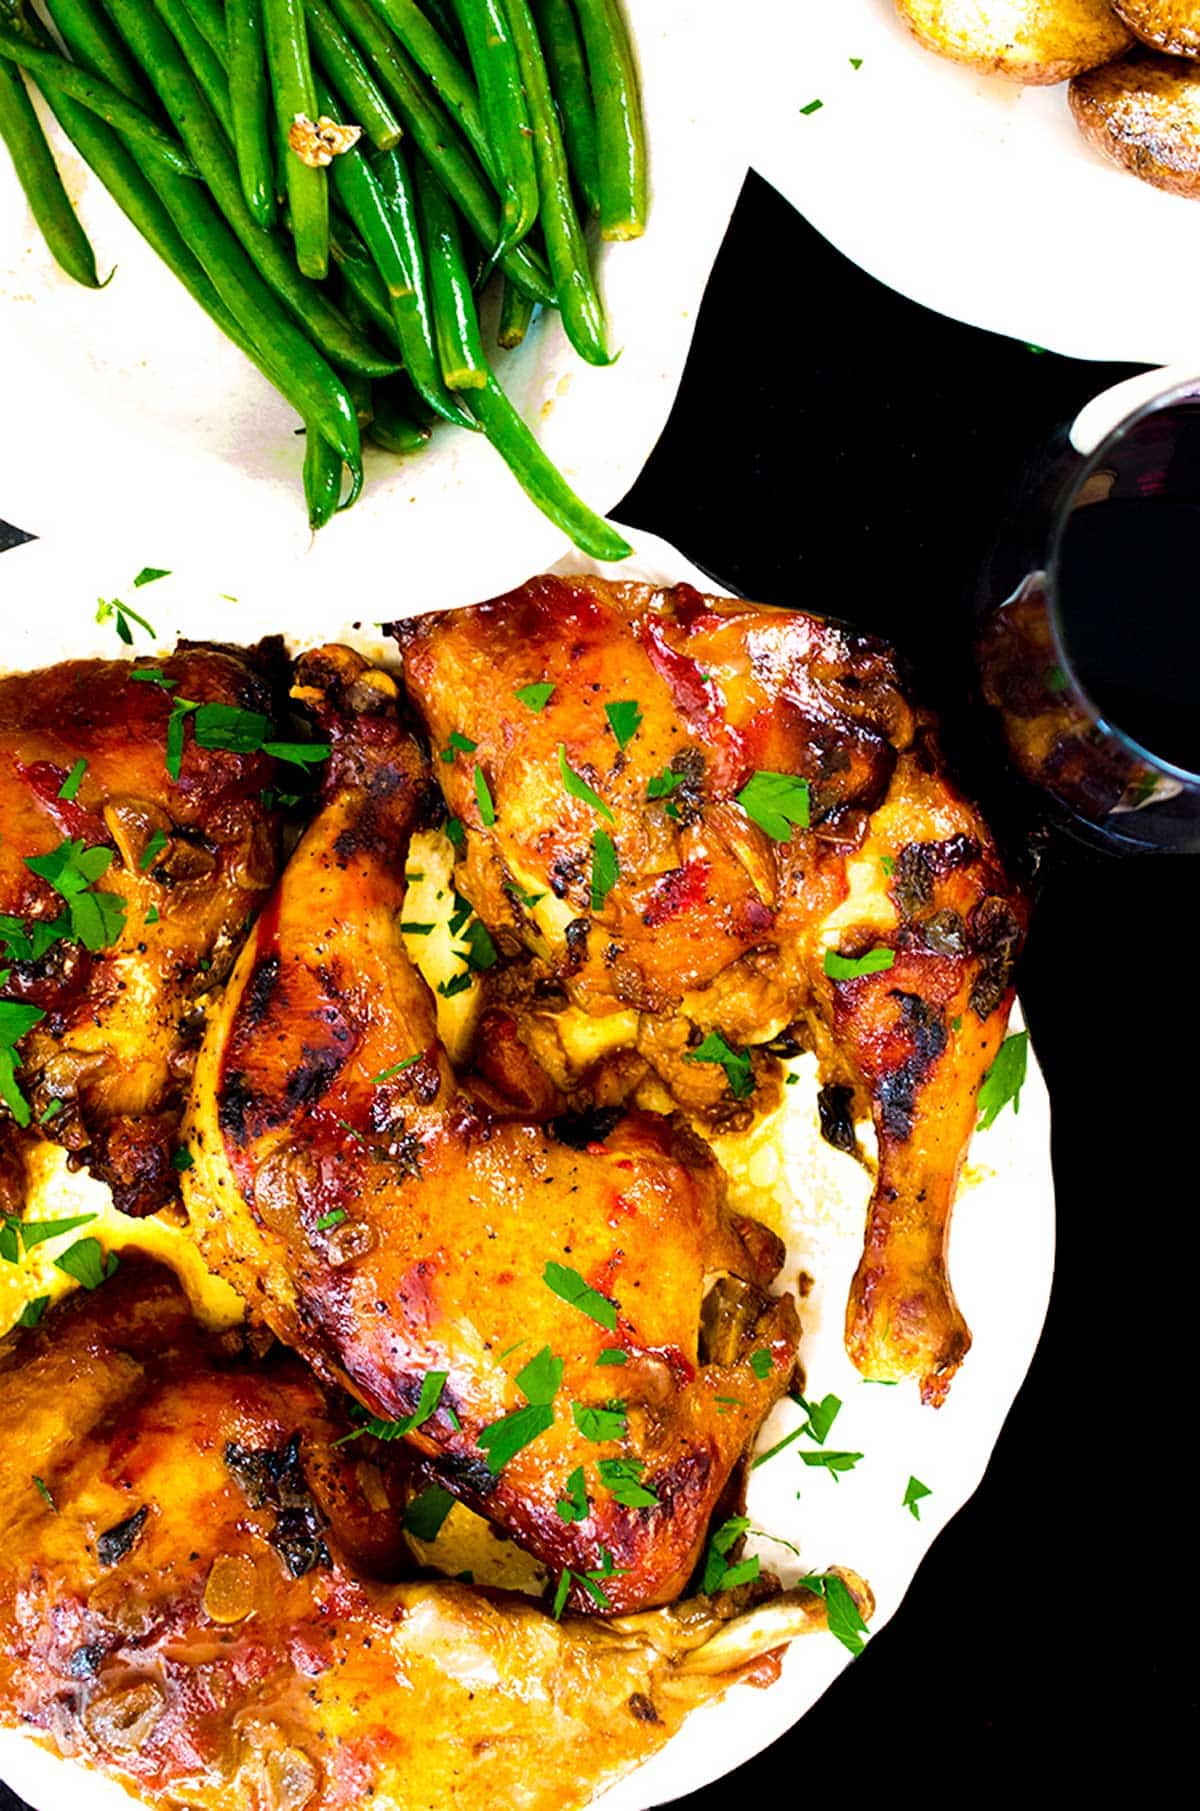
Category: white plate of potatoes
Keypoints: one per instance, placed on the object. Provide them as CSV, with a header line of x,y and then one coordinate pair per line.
x,y
1028,166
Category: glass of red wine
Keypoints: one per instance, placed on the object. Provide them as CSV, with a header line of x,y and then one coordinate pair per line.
x,y
1088,633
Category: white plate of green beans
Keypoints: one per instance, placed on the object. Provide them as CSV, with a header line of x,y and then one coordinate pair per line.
x,y
546,300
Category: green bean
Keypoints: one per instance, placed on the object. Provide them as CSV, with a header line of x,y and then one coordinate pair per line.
x,y
181,224
357,190
427,48
203,61
365,295
159,56
441,17
295,94
394,426
100,97
211,21
361,394
93,43
505,111
431,129
516,312
620,131
539,478
348,74
322,477
569,79
412,313
250,96
38,175
455,322
582,312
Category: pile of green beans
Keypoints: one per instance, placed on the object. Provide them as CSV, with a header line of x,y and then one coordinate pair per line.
x,y
348,265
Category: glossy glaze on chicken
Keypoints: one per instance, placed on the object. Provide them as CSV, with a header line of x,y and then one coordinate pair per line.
x,y
389,1224
105,1069
668,724
200,1594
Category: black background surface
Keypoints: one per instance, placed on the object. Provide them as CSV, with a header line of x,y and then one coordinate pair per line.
x,y
838,448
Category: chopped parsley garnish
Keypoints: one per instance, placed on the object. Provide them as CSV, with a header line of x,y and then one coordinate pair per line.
x,y
228,727
605,868
426,1513
148,574
574,1507
624,719
154,848
1004,1080
739,1071
406,1063
462,911
33,1311
535,698
18,1237
956,1022
590,1582
120,615
850,968
599,1424
832,1462
539,1383
578,787
762,1364
661,785
432,1385
856,62
777,802
541,1379
719,1575
411,927
88,1263
888,864
841,1611
812,107
457,984
96,919
15,1020
50,1111
182,1159
153,676
572,1288
914,1491
44,1493
457,744
528,900
613,1355
73,781
152,915
481,951
333,1218
622,1478
821,1416
455,832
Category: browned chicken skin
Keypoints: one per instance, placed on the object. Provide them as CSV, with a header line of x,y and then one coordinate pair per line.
x,y
186,1599
105,1070
389,1225
712,924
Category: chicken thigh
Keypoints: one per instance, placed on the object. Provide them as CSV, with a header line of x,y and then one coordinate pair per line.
x,y
198,1596
527,1302
711,824
129,869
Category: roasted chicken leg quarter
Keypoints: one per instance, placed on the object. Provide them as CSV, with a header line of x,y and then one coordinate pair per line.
x,y
129,869
191,1598
527,1304
709,825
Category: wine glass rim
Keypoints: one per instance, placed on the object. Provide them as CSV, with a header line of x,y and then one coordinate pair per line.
x,y
1187,390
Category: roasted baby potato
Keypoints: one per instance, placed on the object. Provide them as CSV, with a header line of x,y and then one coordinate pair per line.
x,y
1144,113
1028,40
1170,25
